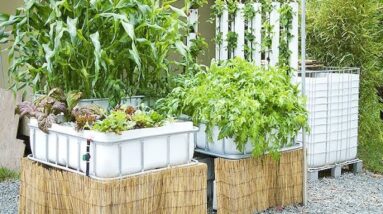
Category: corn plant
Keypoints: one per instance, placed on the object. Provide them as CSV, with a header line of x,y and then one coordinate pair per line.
x,y
101,48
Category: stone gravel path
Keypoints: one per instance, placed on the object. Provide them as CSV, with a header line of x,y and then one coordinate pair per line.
x,y
9,191
350,193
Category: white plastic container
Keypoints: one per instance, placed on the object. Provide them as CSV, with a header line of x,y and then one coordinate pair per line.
x,y
225,146
132,101
333,97
103,103
114,155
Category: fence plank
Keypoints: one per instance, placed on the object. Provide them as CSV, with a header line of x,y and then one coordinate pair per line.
x,y
274,21
255,26
224,29
192,21
217,44
239,28
293,45
257,32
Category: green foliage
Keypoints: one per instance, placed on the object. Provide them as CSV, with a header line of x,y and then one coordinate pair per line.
x,y
344,32
248,11
246,102
7,174
232,7
86,116
125,118
286,17
72,98
232,40
217,9
45,108
195,4
349,33
102,48
249,38
116,122
218,38
197,47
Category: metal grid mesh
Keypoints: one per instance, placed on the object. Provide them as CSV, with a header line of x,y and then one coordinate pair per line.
x,y
332,101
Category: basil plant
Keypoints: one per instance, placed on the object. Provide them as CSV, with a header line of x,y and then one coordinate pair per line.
x,y
247,103
102,48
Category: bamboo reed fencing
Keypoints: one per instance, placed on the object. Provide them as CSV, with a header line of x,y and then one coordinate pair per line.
x,y
255,184
172,190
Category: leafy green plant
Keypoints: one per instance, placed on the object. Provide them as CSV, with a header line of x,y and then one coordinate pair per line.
x,y
197,47
286,16
124,118
248,11
116,122
102,48
349,33
195,4
45,109
86,116
218,38
217,9
232,41
249,38
246,102
232,7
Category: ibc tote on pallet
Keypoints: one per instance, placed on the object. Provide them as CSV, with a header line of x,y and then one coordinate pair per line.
x,y
333,97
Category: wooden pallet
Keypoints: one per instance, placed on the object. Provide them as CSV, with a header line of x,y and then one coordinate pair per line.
x,y
336,169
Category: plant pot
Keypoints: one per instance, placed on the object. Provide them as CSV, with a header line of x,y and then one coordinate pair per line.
x,y
225,146
102,102
133,100
114,155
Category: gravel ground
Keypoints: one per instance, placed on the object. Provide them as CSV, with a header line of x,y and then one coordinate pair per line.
x,y
350,193
9,191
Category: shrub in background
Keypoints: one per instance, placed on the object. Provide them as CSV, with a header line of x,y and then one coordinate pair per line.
x,y
349,33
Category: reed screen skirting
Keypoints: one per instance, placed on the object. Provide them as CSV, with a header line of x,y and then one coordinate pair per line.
x,y
173,190
255,184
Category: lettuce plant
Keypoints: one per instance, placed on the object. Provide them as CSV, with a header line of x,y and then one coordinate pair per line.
x,y
246,102
46,108
124,118
115,122
86,116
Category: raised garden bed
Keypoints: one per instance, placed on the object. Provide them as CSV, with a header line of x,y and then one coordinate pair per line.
x,y
225,146
113,155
